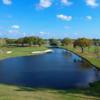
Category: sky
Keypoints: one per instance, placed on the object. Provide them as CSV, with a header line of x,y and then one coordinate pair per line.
x,y
50,18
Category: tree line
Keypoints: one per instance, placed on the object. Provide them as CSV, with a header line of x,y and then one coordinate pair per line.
x,y
36,41
25,41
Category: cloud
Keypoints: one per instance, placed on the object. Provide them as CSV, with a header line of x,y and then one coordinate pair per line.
x,y
92,3
43,33
64,17
66,2
89,17
13,31
7,2
44,4
15,26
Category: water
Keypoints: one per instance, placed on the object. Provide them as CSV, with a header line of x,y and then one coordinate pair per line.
x,y
59,70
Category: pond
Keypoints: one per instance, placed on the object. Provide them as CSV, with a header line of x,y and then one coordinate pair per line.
x,y
60,69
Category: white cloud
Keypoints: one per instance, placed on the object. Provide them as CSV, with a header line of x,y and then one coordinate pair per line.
x,y
64,17
92,3
13,31
66,2
15,26
7,2
43,33
89,17
44,4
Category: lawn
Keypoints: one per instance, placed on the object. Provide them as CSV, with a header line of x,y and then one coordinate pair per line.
x,y
19,51
89,54
8,92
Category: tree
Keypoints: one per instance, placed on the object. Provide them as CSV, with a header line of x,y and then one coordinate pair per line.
x,y
41,41
82,43
2,42
30,41
66,41
96,42
54,42
10,41
20,41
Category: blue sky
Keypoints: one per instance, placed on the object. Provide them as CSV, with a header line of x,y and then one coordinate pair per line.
x,y
50,18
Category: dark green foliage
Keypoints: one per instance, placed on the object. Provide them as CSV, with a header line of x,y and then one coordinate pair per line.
x,y
54,42
66,41
96,42
2,42
82,43
30,41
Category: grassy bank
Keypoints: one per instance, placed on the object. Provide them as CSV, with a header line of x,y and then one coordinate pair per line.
x,y
19,51
27,93
89,54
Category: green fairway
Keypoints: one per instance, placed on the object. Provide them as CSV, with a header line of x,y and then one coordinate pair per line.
x,y
19,51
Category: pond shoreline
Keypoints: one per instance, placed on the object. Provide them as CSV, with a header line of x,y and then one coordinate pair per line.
x,y
38,52
32,92
81,57
53,57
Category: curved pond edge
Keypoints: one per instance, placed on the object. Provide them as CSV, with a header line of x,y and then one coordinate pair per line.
x,y
63,49
31,54
50,51
81,57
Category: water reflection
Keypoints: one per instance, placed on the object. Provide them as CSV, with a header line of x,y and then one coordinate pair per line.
x,y
53,70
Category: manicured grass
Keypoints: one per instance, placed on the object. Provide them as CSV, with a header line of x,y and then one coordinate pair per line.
x,y
27,93
89,54
19,51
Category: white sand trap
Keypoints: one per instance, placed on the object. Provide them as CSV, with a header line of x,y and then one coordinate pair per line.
x,y
8,52
42,52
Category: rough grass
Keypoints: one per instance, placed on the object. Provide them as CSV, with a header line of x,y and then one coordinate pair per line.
x,y
89,54
8,92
